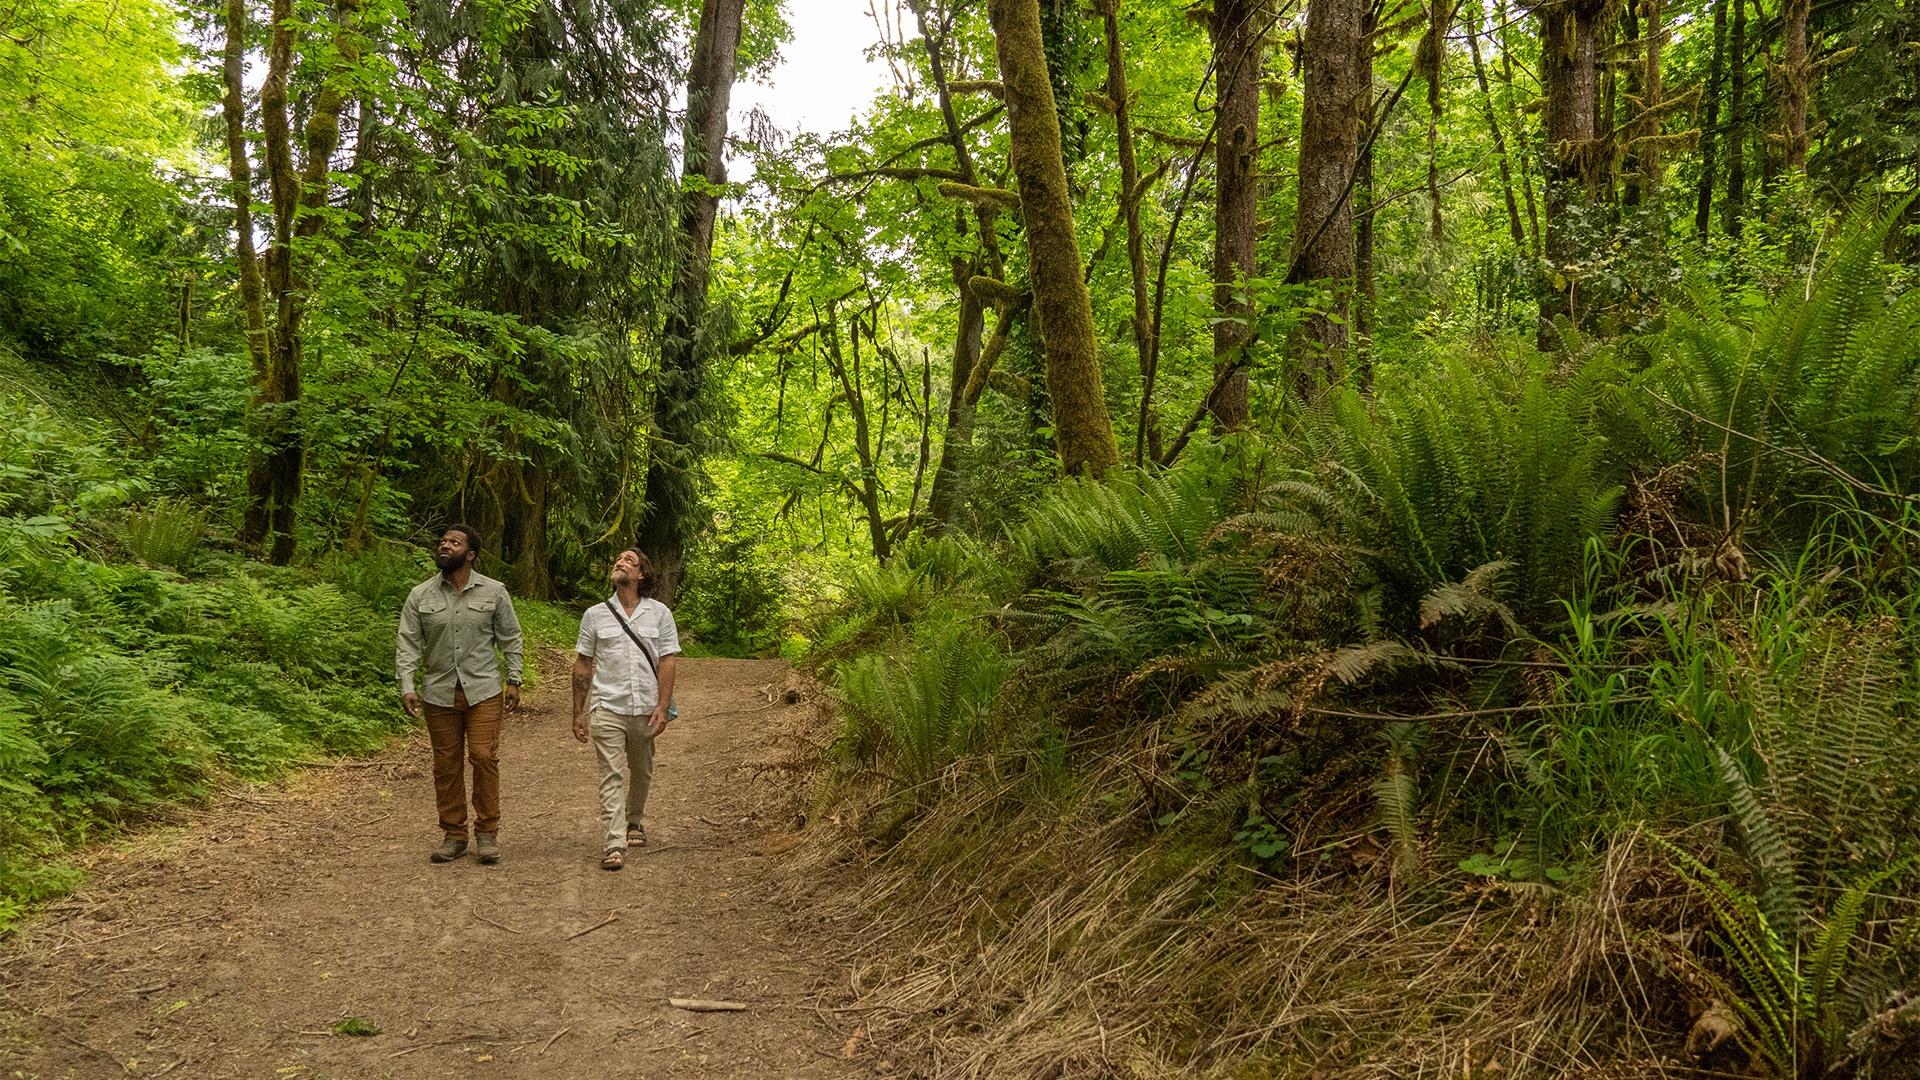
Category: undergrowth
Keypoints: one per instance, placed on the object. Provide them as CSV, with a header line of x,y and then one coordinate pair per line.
x,y
1580,683
142,664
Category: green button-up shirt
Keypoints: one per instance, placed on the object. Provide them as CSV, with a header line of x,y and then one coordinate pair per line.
x,y
448,637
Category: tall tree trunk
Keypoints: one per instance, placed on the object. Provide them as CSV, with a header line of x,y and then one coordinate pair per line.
x,y
523,530
277,147
1365,288
1710,127
1652,99
672,487
1499,138
1083,433
1737,122
1335,100
1630,189
1645,103
1518,126
926,442
851,388
1796,77
1576,156
275,478
1237,42
1130,195
956,442
253,302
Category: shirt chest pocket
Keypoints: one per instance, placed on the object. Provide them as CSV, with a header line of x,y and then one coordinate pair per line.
x,y
433,611
610,635
481,608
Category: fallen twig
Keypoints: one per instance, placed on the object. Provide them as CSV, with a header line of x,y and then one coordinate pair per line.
x,y
692,1033
446,1042
65,945
706,1005
595,926
1468,714
554,1038
490,922
90,1048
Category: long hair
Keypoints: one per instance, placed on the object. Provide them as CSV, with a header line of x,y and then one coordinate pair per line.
x,y
647,573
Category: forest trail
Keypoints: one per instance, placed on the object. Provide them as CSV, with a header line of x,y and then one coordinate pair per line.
x,y
232,946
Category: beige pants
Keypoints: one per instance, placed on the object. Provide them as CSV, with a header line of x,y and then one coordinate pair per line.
x,y
623,746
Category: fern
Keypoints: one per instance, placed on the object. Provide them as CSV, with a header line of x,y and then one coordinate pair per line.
x,y
1461,467
1830,374
168,533
1791,978
921,709
1117,523
1396,795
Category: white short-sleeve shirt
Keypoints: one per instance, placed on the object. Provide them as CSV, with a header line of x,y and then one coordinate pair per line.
x,y
623,681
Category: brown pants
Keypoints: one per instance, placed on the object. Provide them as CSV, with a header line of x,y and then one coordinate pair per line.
x,y
478,727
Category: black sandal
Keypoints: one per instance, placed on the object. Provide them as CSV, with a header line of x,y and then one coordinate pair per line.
x,y
613,860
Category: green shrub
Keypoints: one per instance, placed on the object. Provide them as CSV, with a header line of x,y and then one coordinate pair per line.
x,y
1776,403
1442,471
166,533
1083,528
919,709
733,599
381,574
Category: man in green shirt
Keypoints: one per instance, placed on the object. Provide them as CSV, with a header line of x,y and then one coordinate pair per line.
x,y
449,628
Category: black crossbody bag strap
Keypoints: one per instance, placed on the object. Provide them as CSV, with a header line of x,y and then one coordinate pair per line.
x,y
652,664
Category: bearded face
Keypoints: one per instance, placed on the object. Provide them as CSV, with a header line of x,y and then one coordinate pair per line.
x,y
626,571
453,552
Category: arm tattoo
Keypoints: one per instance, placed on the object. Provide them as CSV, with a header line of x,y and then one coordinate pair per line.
x,y
582,685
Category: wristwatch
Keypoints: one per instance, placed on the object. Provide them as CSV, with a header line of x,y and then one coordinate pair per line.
x,y
513,682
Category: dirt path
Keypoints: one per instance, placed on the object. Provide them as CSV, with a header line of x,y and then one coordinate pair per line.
x,y
232,946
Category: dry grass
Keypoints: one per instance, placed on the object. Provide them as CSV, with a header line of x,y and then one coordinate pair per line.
x,y
999,930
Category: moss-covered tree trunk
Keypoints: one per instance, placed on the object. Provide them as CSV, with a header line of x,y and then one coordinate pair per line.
x,y
949,477
1237,30
269,413
1500,150
1737,120
956,443
1710,123
253,295
275,477
1130,196
1432,58
1083,432
853,389
1516,123
1366,292
1335,101
1796,77
1577,165
1652,100
672,487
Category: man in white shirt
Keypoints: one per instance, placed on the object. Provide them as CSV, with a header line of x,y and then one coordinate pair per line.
x,y
623,674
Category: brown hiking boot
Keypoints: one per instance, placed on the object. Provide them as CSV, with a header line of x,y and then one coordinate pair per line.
x,y
450,849
486,849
